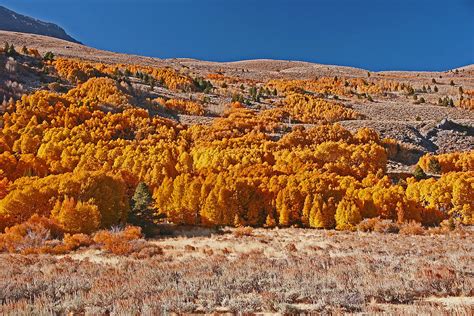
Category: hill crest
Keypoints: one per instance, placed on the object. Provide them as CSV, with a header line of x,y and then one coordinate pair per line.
x,y
15,22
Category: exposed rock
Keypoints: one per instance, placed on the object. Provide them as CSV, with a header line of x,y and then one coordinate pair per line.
x,y
450,125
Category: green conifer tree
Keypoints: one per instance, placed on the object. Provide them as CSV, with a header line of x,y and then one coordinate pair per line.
x,y
141,213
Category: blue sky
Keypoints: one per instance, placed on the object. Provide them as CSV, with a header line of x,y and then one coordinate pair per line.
x,y
371,34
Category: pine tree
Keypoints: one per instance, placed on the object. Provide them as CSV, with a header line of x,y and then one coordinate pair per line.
x,y
253,93
434,166
11,51
419,174
141,213
49,56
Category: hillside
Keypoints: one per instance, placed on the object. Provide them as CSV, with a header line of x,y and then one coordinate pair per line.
x,y
138,185
425,112
392,115
15,22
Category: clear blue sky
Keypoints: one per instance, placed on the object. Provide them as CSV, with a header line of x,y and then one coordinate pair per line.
x,y
372,34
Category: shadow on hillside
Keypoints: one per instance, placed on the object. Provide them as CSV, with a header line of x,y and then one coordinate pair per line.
x,y
167,230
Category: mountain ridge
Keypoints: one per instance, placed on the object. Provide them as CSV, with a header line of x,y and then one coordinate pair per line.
x,y
16,22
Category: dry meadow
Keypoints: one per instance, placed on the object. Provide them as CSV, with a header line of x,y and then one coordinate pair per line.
x,y
279,271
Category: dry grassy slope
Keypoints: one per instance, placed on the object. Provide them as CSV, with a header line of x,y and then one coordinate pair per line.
x,y
254,69
68,49
263,68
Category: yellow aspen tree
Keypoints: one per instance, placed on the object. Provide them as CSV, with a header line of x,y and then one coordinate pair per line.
x,y
76,218
305,217
210,210
162,194
322,213
347,215
270,221
192,202
175,209
282,209
226,207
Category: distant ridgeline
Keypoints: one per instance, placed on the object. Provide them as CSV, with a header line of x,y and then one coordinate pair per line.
x,y
14,22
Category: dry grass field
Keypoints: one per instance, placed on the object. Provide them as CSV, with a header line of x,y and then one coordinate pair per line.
x,y
277,271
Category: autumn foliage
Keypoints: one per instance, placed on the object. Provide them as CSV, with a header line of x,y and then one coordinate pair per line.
x,y
40,235
452,162
338,86
181,106
467,100
72,162
308,109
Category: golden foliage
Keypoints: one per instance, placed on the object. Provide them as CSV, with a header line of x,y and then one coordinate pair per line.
x,y
29,196
78,71
337,86
467,104
97,92
40,235
118,243
181,106
451,195
76,158
169,77
308,109
75,71
77,217
32,236
457,161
